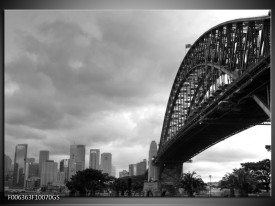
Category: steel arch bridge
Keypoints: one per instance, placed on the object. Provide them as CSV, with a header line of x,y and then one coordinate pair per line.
x,y
221,88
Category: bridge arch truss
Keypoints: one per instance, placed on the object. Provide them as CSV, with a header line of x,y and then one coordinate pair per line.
x,y
220,58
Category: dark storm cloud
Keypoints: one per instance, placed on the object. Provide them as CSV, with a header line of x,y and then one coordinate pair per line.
x,y
24,133
135,34
34,112
59,75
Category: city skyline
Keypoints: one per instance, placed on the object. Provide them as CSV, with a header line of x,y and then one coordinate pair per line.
x,y
44,156
102,79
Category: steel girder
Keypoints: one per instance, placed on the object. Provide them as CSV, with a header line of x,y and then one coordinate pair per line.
x,y
217,59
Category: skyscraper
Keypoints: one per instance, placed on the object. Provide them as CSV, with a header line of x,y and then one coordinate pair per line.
x,y
152,170
68,166
60,178
48,172
32,170
141,167
20,165
7,165
43,156
64,167
72,168
77,153
94,159
138,168
132,169
31,174
106,163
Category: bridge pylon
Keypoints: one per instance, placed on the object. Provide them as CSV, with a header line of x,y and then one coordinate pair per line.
x,y
167,180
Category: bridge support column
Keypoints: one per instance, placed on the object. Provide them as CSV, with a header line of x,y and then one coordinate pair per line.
x,y
169,179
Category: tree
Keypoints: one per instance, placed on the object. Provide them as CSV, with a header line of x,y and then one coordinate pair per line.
x,y
268,148
87,182
138,183
261,171
240,180
119,185
132,185
191,183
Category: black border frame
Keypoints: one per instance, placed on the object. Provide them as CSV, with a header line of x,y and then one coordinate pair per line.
x,y
125,5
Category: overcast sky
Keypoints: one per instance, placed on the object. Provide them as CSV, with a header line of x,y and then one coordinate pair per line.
x,y
103,79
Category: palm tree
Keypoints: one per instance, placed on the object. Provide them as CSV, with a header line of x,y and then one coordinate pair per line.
x,y
239,180
192,183
228,182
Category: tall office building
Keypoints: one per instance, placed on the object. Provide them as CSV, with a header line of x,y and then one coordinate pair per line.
x,y
32,174
132,169
138,168
7,166
72,168
64,167
48,172
141,167
106,163
77,153
43,156
32,169
152,170
60,178
20,165
68,166
94,159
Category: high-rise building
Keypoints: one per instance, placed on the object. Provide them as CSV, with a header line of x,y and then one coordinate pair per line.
x,y
77,152
32,174
32,169
94,159
68,166
20,165
43,156
106,163
48,172
152,170
123,173
64,167
60,178
7,165
72,168
132,169
138,168
141,167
